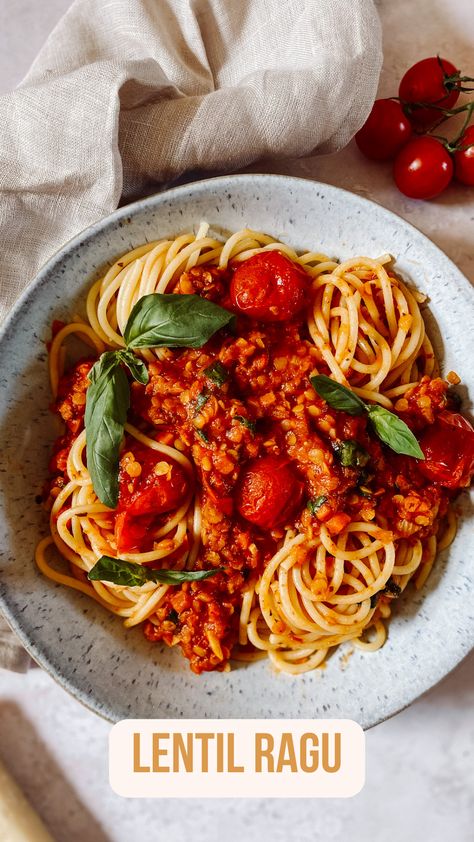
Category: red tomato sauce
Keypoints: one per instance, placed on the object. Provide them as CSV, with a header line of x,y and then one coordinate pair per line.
x,y
266,453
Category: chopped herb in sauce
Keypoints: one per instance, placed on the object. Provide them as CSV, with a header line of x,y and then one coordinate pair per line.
x,y
316,503
201,399
392,588
351,454
217,373
251,425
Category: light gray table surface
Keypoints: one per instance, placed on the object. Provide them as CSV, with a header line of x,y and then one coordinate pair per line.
x,y
420,775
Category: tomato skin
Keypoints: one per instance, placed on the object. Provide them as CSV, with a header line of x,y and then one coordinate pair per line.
x,y
448,446
269,492
143,497
425,82
464,159
269,287
385,131
423,168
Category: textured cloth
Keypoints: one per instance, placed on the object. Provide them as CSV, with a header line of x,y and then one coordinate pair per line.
x,y
12,655
129,94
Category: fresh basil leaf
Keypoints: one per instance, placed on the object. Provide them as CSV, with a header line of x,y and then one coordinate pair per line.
x,y
121,572
106,363
174,321
316,503
107,402
135,365
251,425
336,395
351,454
217,373
394,432
202,435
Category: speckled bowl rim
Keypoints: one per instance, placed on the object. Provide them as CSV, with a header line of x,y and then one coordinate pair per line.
x,y
153,201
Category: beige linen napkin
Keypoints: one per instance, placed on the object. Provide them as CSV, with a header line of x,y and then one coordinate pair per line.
x,y
130,93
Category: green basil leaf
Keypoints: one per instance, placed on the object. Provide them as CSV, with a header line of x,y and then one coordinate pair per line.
x,y
135,365
202,435
336,395
121,572
107,402
174,321
394,432
217,373
351,454
106,363
316,503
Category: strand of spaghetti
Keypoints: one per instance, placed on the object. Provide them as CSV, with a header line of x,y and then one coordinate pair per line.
x,y
428,561
378,640
63,579
160,447
55,364
245,609
233,244
415,556
181,258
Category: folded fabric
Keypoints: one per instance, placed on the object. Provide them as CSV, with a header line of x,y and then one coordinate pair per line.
x,y
12,655
129,94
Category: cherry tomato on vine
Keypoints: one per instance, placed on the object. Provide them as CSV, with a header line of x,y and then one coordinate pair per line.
x,y
269,492
464,158
269,287
448,445
430,80
423,168
385,131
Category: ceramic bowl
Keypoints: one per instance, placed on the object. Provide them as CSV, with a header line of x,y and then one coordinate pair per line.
x,y
117,672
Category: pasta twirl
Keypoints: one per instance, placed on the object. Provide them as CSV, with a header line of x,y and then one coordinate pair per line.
x,y
296,576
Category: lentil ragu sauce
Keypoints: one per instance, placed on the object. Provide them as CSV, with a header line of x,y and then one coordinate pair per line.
x,y
268,454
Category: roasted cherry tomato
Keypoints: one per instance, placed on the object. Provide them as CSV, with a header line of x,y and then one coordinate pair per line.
x,y
464,158
423,168
385,131
269,492
150,484
448,446
430,80
269,287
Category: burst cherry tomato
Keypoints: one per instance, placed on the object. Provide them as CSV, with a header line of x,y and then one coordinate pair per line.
x,y
423,168
448,446
269,492
429,80
150,484
464,158
384,132
269,287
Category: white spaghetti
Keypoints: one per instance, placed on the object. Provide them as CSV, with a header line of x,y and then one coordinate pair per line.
x,y
320,586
